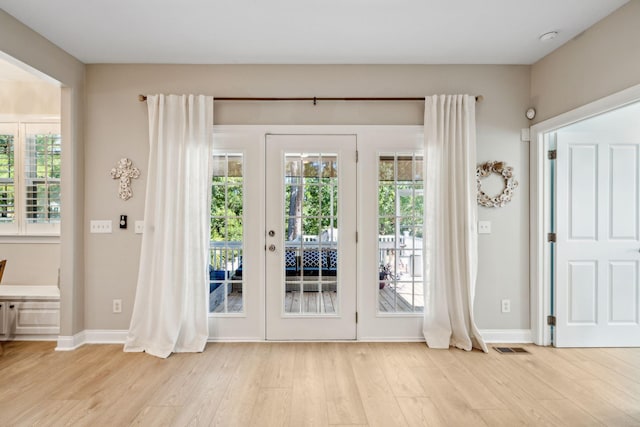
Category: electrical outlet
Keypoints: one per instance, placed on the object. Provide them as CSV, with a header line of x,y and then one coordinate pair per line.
x,y
139,227
484,227
100,226
506,306
117,306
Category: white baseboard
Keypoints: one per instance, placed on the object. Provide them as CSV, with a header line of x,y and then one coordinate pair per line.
x,y
30,337
91,336
116,336
519,336
68,343
507,336
391,339
235,339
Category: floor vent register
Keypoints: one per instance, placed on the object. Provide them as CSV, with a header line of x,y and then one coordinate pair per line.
x,y
511,350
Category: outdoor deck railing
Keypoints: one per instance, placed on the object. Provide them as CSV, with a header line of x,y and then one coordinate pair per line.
x,y
227,256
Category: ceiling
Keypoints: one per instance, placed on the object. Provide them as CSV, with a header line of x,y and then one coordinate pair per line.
x,y
309,31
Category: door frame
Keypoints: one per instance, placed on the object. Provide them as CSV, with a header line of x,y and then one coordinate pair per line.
x,y
222,329
540,203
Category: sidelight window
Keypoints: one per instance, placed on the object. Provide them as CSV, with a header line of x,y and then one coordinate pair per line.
x,y
400,233
226,263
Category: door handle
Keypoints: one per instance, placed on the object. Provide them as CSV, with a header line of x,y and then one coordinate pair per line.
x,y
272,248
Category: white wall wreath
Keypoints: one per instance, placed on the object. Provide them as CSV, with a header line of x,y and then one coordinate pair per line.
x,y
510,184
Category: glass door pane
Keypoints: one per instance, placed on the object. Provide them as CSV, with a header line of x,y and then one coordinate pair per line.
x,y
310,233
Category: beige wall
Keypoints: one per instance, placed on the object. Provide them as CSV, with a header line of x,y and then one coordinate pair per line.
x,y
603,60
29,98
117,127
23,44
31,264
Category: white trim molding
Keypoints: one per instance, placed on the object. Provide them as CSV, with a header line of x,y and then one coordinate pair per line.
x,y
540,203
235,339
118,336
390,339
91,336
31,337
68,343
507,336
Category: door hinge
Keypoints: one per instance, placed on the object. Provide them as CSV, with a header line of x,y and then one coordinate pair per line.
x,y
356,237
356,317
551,237
551,320
551,154
357,156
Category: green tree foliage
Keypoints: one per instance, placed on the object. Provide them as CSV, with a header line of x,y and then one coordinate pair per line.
x,y
318,181
400,195
320,205
400,200
226,219
226,209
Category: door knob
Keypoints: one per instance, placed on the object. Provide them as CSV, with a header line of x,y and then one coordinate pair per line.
x,y
272,248
272,233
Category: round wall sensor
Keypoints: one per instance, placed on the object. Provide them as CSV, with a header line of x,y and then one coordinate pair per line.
x,y
548,36
531,113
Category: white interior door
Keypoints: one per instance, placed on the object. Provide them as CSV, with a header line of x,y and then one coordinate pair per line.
x,y
311,237
598,239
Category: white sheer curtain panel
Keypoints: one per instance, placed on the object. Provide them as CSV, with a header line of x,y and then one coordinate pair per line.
x,y
450,222
170,312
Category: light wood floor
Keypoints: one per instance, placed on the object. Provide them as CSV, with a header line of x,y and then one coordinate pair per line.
x,y
298,384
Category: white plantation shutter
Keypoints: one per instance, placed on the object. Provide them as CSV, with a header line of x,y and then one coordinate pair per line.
x,y
30,166
42,174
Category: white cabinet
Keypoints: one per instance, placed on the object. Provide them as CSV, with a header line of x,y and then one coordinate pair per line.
x,y
29,312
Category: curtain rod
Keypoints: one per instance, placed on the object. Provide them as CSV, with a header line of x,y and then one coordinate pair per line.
x,y
479,98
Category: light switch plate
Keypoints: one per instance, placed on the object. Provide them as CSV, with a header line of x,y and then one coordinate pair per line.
x,y
484,227
102,226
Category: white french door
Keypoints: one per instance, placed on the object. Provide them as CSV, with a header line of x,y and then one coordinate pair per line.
x,y
598,240
310,250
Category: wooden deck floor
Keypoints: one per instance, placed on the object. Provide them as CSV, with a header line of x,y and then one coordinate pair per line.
x,y
320,384
389,300
399,299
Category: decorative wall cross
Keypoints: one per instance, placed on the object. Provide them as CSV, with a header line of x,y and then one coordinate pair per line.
x,y
125,172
